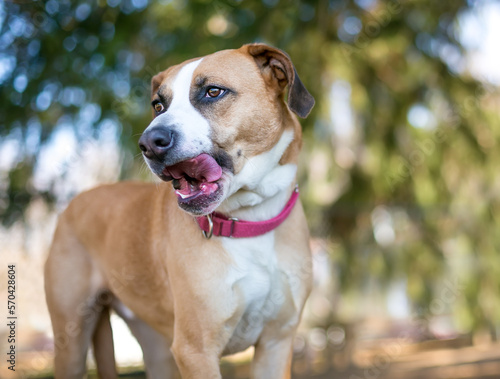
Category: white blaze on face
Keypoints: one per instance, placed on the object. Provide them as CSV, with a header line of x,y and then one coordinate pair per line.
x,y
185,119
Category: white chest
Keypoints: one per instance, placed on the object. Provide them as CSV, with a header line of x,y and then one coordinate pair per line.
x,y
255,279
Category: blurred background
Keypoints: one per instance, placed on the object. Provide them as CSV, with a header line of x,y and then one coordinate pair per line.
x,y
398,172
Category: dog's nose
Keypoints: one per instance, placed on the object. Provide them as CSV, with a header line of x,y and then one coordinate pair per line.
x,y
156,142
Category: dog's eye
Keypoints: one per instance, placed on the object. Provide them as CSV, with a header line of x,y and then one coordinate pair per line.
x,y
158,107
214,92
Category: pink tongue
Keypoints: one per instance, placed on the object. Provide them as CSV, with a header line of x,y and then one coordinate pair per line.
x,y
202,168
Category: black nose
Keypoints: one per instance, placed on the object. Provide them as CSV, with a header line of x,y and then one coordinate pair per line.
x,y
155,142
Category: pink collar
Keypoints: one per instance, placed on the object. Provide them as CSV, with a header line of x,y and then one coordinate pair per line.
x,y
222,226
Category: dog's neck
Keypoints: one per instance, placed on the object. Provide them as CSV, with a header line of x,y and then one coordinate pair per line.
x,y
262,188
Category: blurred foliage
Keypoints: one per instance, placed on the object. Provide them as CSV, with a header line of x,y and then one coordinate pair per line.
x,y
396,201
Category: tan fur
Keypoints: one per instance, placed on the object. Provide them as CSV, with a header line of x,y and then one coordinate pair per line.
x,y
130,247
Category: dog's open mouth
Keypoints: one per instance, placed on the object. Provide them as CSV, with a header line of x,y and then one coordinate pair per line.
x,y
194,177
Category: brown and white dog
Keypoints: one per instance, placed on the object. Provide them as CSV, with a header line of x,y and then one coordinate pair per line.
x,y
224,135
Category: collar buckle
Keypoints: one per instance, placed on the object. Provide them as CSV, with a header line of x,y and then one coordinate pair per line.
x,y
233,219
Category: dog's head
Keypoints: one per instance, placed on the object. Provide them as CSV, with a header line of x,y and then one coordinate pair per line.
x,y
221,124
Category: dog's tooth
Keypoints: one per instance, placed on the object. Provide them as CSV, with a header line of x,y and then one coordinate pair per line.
x,y
181,195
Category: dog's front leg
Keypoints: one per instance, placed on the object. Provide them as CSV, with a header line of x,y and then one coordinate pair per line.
x,y
194,358
273,359
199,338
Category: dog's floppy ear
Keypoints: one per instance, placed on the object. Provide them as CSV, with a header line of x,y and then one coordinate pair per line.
x,y
277,68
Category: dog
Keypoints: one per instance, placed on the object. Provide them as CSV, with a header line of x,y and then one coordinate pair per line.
x,y
212,263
